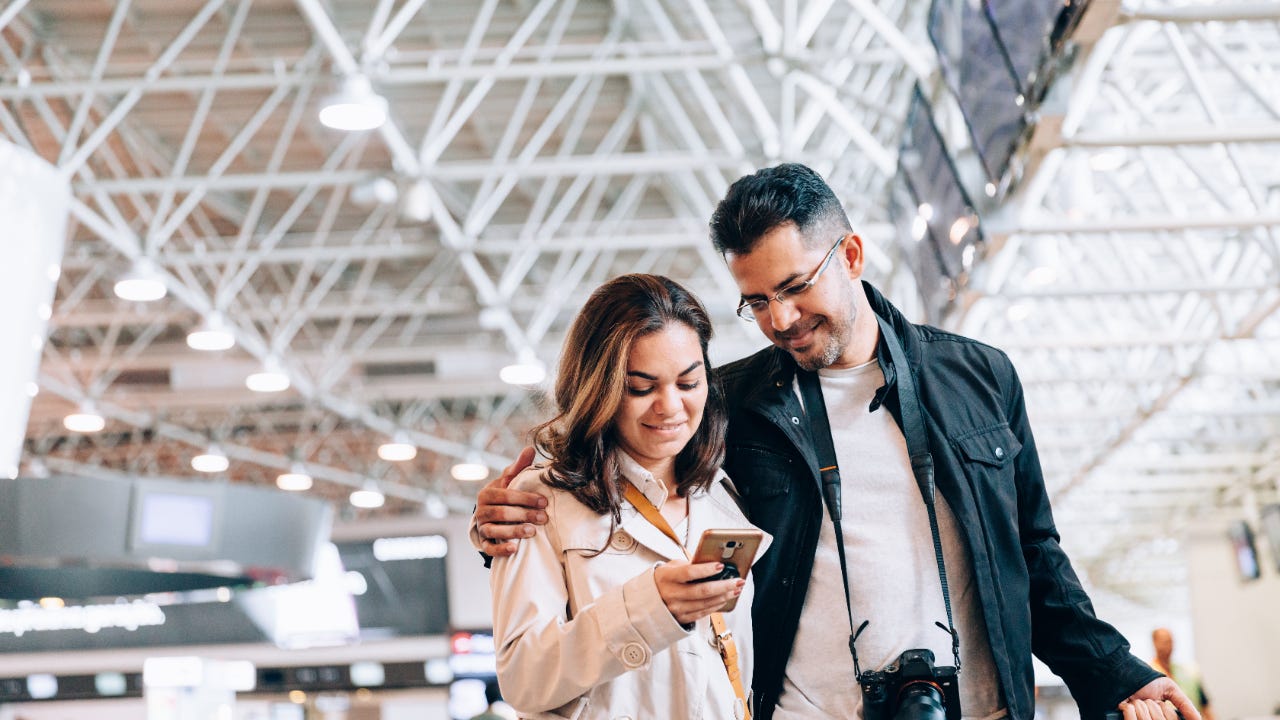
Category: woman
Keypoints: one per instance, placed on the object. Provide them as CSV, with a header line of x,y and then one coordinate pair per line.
x,y
597,617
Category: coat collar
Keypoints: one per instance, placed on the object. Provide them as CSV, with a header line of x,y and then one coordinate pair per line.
x,y
713,508
635,524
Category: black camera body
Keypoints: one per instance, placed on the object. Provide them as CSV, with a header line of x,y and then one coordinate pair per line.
x,y
912,688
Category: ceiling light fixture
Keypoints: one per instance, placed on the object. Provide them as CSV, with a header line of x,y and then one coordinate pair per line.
x,y
368,497
1042,276
142,283
211,334
416,203
212,460
1018,312
526,370
296,480
469,470
374,191
398,449
355,107
435,507
1106,161
960,228
84,420
271,378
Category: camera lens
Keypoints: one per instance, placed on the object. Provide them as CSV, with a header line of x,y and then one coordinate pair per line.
x,y
920,701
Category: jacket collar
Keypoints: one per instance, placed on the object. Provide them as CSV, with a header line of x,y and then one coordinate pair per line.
x,y
908,335
780,368
706,515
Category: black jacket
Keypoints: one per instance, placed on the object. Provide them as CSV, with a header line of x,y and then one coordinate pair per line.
x,y
987,470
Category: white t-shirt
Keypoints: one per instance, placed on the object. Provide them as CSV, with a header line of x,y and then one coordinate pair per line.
x,y
893,573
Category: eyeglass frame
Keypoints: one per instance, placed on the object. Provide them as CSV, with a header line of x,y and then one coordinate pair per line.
x,y
788,293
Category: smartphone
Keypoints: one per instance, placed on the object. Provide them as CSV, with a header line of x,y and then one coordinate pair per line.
x,y
735,548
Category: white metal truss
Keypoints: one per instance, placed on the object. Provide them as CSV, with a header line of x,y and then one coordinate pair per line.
x,y
538,147
1136,284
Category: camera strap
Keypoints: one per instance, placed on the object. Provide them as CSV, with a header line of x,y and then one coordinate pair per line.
x,y
921,467
724,637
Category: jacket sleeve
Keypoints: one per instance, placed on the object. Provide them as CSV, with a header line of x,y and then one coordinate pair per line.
x,y
1091,656
545,658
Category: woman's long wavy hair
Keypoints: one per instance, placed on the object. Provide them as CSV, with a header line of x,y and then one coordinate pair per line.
x,y
581,439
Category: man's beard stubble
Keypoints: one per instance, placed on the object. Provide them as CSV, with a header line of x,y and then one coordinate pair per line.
x,y
839,335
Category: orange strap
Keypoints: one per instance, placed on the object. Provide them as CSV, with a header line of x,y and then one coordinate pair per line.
x,y
724,638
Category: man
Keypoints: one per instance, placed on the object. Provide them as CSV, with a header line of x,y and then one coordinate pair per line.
x,y
798,265
1185,675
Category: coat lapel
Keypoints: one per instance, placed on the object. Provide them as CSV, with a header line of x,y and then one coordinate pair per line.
x,y
644,532
714,508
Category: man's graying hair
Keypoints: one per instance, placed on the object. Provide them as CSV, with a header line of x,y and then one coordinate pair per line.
x,y
788,193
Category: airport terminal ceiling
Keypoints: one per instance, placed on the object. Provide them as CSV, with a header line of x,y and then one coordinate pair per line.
x,y
1129,260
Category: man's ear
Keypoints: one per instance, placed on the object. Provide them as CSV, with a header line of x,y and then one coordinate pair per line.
x,y
852,250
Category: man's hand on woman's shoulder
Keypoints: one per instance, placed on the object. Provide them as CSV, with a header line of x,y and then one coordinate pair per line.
x,y
503,515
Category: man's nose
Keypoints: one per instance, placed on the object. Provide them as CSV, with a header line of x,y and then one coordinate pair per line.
x,y
782,315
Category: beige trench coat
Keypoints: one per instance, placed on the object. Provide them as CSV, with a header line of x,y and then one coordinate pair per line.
x,y
587,637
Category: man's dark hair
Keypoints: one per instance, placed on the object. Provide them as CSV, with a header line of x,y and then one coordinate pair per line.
x,y
788,193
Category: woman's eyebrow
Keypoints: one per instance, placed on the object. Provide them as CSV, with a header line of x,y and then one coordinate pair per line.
x,y
636,373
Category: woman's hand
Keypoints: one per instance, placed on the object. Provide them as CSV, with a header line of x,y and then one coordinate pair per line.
x,y
689,601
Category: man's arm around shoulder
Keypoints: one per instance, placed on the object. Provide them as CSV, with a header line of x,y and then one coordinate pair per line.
x,y
503,516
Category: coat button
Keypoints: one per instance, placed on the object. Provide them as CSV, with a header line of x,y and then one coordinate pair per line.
x,y
999,452
621,541
633,655
795,420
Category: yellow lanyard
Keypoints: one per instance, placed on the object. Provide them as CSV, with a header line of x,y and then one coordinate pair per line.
x,y
724,638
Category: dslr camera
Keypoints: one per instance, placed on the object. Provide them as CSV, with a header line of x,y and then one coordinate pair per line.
x,y
912,688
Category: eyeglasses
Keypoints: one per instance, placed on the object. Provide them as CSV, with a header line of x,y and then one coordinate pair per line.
x,y
748,310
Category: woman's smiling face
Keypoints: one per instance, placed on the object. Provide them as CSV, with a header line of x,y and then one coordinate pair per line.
x,y
666,391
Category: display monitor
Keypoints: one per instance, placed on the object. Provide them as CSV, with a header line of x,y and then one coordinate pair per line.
x,y
1271,530
402,587
977,70
936,222
175,520
172,519
1246,553
1031,32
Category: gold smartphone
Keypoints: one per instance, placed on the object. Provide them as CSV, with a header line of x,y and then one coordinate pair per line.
x,y
735,548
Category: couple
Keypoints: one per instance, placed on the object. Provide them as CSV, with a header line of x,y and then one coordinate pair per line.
x,y
596,613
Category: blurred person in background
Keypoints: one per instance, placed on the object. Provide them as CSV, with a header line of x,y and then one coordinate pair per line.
x,y
1186,675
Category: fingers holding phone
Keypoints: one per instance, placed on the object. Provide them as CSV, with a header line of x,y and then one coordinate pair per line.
x,y
734,549
690,591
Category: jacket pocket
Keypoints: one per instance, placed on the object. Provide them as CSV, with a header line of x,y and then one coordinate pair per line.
x,y
993,446
759,472
589,540
988,457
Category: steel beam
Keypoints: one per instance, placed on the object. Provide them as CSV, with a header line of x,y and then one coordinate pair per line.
x,y
649,163
1216,12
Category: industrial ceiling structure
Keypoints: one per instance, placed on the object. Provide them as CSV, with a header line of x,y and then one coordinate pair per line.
x,y
534,148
